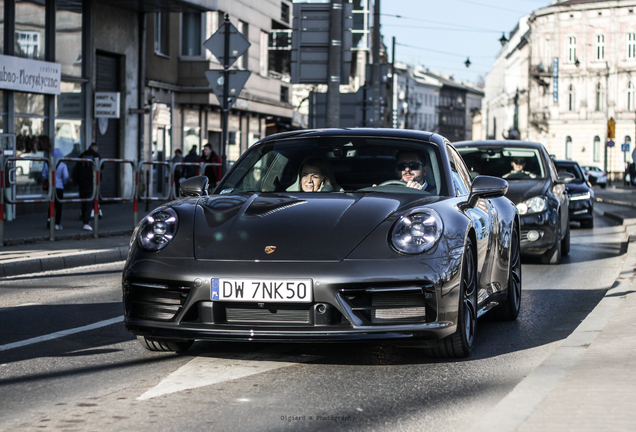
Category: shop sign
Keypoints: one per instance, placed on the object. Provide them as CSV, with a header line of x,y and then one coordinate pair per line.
x,y
28,75
106,105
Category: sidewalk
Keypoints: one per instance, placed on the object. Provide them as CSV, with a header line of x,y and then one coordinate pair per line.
x,y
588,383
28,248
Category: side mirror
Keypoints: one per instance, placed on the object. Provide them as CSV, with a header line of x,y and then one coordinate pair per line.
x,y
486,187
194,186
565,177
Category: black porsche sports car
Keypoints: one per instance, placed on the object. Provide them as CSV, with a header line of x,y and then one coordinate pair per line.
x,y
536,188
329,235
581,193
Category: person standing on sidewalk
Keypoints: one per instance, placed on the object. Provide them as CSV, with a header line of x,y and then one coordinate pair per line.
x,y
61,178
178,170
212,172
83,176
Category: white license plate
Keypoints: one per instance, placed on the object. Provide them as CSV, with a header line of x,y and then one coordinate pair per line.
x,y
262,290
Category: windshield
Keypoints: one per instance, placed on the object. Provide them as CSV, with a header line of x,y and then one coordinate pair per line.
x,y
336,164
510,163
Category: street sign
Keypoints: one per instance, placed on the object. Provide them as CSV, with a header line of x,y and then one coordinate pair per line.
x,y
216,44
625,147
610,143
236,78
555,79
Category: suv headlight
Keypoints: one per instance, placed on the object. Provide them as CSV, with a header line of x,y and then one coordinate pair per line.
x,y
158,229
417,232
533,205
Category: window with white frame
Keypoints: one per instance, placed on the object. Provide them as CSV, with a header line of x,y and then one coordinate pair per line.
x,y
600,97
571,97
191,33
631,46
571,49
597,149
630,97
568,148
600,47
264,60
243,29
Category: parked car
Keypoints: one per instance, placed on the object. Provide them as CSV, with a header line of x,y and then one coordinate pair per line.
x,y
581,193
595,175
535,187
365,258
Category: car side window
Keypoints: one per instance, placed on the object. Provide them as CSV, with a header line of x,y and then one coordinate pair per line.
x,y
460,174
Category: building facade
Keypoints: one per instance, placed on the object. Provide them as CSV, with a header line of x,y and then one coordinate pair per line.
x,y
130,76
567,71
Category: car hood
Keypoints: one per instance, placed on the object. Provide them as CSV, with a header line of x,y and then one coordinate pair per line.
x,y
575,188
285,227
521,190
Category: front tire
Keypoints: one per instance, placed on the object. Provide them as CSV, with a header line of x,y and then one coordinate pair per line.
x,y
509,309
552,255
164,345
460,344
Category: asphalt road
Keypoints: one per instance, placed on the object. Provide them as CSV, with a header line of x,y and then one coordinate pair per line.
x,y
83,378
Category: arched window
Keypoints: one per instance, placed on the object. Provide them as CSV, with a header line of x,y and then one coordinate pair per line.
x,y
599,97
630,97
571,97
568,147
597,149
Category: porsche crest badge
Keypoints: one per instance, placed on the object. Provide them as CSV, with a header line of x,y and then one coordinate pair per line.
x,y
269,249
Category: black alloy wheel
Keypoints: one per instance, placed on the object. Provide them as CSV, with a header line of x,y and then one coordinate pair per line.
x,y
460,344
509,309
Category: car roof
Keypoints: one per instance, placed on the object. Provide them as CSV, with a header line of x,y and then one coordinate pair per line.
x,y
498,143
564,162
357,132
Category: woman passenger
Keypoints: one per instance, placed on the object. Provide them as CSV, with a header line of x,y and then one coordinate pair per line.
x,y
314,175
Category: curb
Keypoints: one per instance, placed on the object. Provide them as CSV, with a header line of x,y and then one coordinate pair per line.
x,y
60,237
21,268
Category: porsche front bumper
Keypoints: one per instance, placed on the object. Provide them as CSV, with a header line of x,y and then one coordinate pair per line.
x,y
352,300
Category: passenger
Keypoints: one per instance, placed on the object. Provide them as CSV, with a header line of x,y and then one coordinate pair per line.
x,y
410,167
519,169
315,175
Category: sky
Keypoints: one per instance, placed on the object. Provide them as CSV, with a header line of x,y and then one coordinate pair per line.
x,y
442,34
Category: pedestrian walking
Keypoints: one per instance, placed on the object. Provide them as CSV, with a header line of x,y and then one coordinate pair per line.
x,y
83,176
178,169
61,178
191,171
212,172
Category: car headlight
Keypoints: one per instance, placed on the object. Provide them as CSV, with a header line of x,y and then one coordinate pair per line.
x,y
417,232
533,205
158,229
580,196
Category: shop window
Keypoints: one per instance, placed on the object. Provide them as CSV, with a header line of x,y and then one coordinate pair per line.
x,y
162,33
191,35
68,37
30,29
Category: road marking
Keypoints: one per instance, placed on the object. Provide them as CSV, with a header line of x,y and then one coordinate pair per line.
x,y
204,371
61,334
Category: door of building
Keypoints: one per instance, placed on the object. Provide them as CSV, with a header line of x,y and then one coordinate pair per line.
x,y
107,134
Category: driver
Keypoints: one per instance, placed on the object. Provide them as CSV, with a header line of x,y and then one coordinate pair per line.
x,y
410,167
519,168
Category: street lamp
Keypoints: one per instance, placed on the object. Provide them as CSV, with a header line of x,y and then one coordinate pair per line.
x,y
577,63
503,39
467,62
